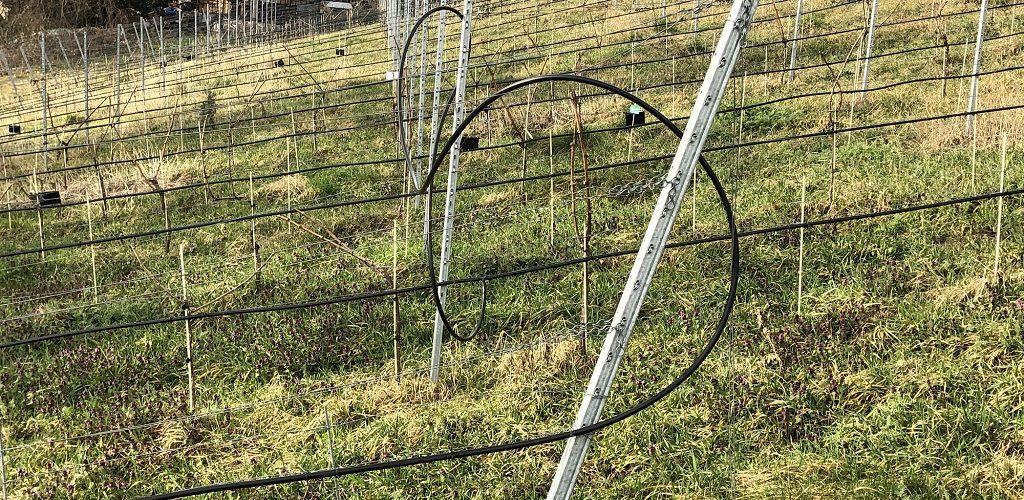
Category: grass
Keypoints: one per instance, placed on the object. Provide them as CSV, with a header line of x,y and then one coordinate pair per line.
x,y
899,378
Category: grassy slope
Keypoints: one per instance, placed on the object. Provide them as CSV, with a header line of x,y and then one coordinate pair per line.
x,y
899,378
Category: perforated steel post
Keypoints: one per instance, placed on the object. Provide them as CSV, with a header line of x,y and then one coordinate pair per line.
x,y
85,80
869,47
972,102
453,176
796,38
436,109
653,245
422,96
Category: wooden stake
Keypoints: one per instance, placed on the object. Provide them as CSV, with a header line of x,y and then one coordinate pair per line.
x,y
330,448
693,201
945,63
288,177
675,98
588,222
395,312
167,221
42,239
206,171
92,249
3,466
800,265
252,121
10,186
739,149
295,140
999,205
312,98
188,328
974,157
551,187
255,245
833,171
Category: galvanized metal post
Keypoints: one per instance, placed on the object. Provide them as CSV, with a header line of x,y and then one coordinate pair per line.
x,y
195,36
14,85
163,60
655,238
422,96
869,47
117,80
972,102
181,64
45,106
142,59
453,176
85,78
63,52
206,17
24,59
796,38
435,111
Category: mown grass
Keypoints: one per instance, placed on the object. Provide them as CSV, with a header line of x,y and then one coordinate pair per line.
x,y
899,378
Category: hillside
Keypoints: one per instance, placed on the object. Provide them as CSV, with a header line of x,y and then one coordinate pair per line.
x,y
872,353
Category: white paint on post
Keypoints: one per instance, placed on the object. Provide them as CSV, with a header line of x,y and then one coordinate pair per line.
x,y
453,175
869,47
422,97
972,102
796,38
117,81
142,59
655,238
436,110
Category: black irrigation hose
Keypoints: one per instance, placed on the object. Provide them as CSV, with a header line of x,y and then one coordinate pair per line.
x,y
358,30
375,83
403,145
335,106
260,69
347,203
551,438
456,135
510,274
400,104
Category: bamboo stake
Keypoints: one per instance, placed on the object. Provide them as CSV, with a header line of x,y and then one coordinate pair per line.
x,y
188,327
202,154
739,149
255,245
551,187
693,201
10,185
588,223
3,465
974,157
999,205
395,312
330,448
835,150
92,249
800,269
288,176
